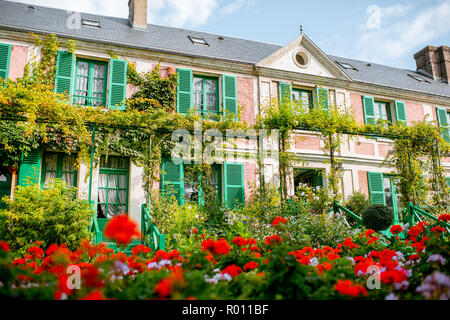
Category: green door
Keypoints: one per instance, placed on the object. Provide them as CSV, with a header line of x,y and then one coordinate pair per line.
x,y
5,185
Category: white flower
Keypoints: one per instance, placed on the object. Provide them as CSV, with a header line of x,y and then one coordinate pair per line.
x,y
437,258
314,261
391,296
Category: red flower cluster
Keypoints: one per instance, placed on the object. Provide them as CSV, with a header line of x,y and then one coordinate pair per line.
x,y
4,246
438,229
396,229
165,287
349,288
273,240
416,230
121,229
279,220
349,244
251,265
219,247
232,270
444,217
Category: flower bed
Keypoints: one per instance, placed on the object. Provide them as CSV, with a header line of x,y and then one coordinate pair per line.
x,y
365,267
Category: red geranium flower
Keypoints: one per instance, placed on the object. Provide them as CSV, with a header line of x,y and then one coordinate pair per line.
x,y
279,220
437,229
239,241
444,217
251,265
275,239
232,270
219,247
140,248
4,246
94,295
121,229
349,243
396,229
349,288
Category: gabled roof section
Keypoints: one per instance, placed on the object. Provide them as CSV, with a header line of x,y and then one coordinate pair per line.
x,y
318,62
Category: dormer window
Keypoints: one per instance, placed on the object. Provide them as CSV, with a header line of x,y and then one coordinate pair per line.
x,y
346,66
198,40
301,59
91,23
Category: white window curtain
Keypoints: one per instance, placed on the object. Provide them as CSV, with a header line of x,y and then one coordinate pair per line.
x,y
51,167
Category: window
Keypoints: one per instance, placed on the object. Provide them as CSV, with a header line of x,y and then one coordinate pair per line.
x,y
417,78
57,165
182,182
310,177
301,59
198,40
192,183
382,111
382,190
113,186
391,193
91,23
206,99
303,98
90,84
5,185
346,66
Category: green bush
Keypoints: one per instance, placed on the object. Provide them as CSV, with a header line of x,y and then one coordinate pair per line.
x,y
357,202
377,217
51,215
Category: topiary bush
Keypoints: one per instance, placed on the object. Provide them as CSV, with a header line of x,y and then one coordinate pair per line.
x,y
377,217
50,215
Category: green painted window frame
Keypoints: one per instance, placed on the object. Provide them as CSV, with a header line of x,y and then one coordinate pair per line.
x,y
309,92
89,97
59,168
116,171
205,112
200,201
377,104
395,195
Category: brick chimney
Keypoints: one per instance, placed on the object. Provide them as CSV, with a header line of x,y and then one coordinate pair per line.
x,y
435,62
138,14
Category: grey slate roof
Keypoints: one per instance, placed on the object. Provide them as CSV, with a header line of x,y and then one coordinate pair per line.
x,y
117,31
393,77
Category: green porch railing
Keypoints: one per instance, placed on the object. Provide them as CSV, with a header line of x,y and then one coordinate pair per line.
x,y
95,229
338,208
415,213
149,229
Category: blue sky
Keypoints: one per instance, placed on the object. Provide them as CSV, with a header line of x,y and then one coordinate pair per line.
x,y
382,31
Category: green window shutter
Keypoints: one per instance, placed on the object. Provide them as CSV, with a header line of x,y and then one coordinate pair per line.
x,y
376,189
65,68
369,110
322,98
5,56
233,184
172,180
448,182
285,92
117,84
30,167
230,100
185,98
400,112
443,123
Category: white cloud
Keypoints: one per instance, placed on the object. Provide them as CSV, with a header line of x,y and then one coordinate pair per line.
x,y
235,6
407,34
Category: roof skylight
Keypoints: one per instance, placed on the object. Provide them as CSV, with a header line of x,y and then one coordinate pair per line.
x,y
417,78
91,23
346,66
198,40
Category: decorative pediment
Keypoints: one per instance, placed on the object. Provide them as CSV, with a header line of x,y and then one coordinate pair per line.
x,y
303,56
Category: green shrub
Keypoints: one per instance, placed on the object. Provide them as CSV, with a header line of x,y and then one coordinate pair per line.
x,y
357,202
51,215
377,217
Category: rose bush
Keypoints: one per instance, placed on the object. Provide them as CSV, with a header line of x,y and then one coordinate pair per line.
x,y
361,267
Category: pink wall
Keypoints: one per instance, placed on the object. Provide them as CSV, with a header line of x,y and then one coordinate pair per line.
x,y
365,148
363,184
414,112
19,55
307,142
250,179
246,99
383,149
